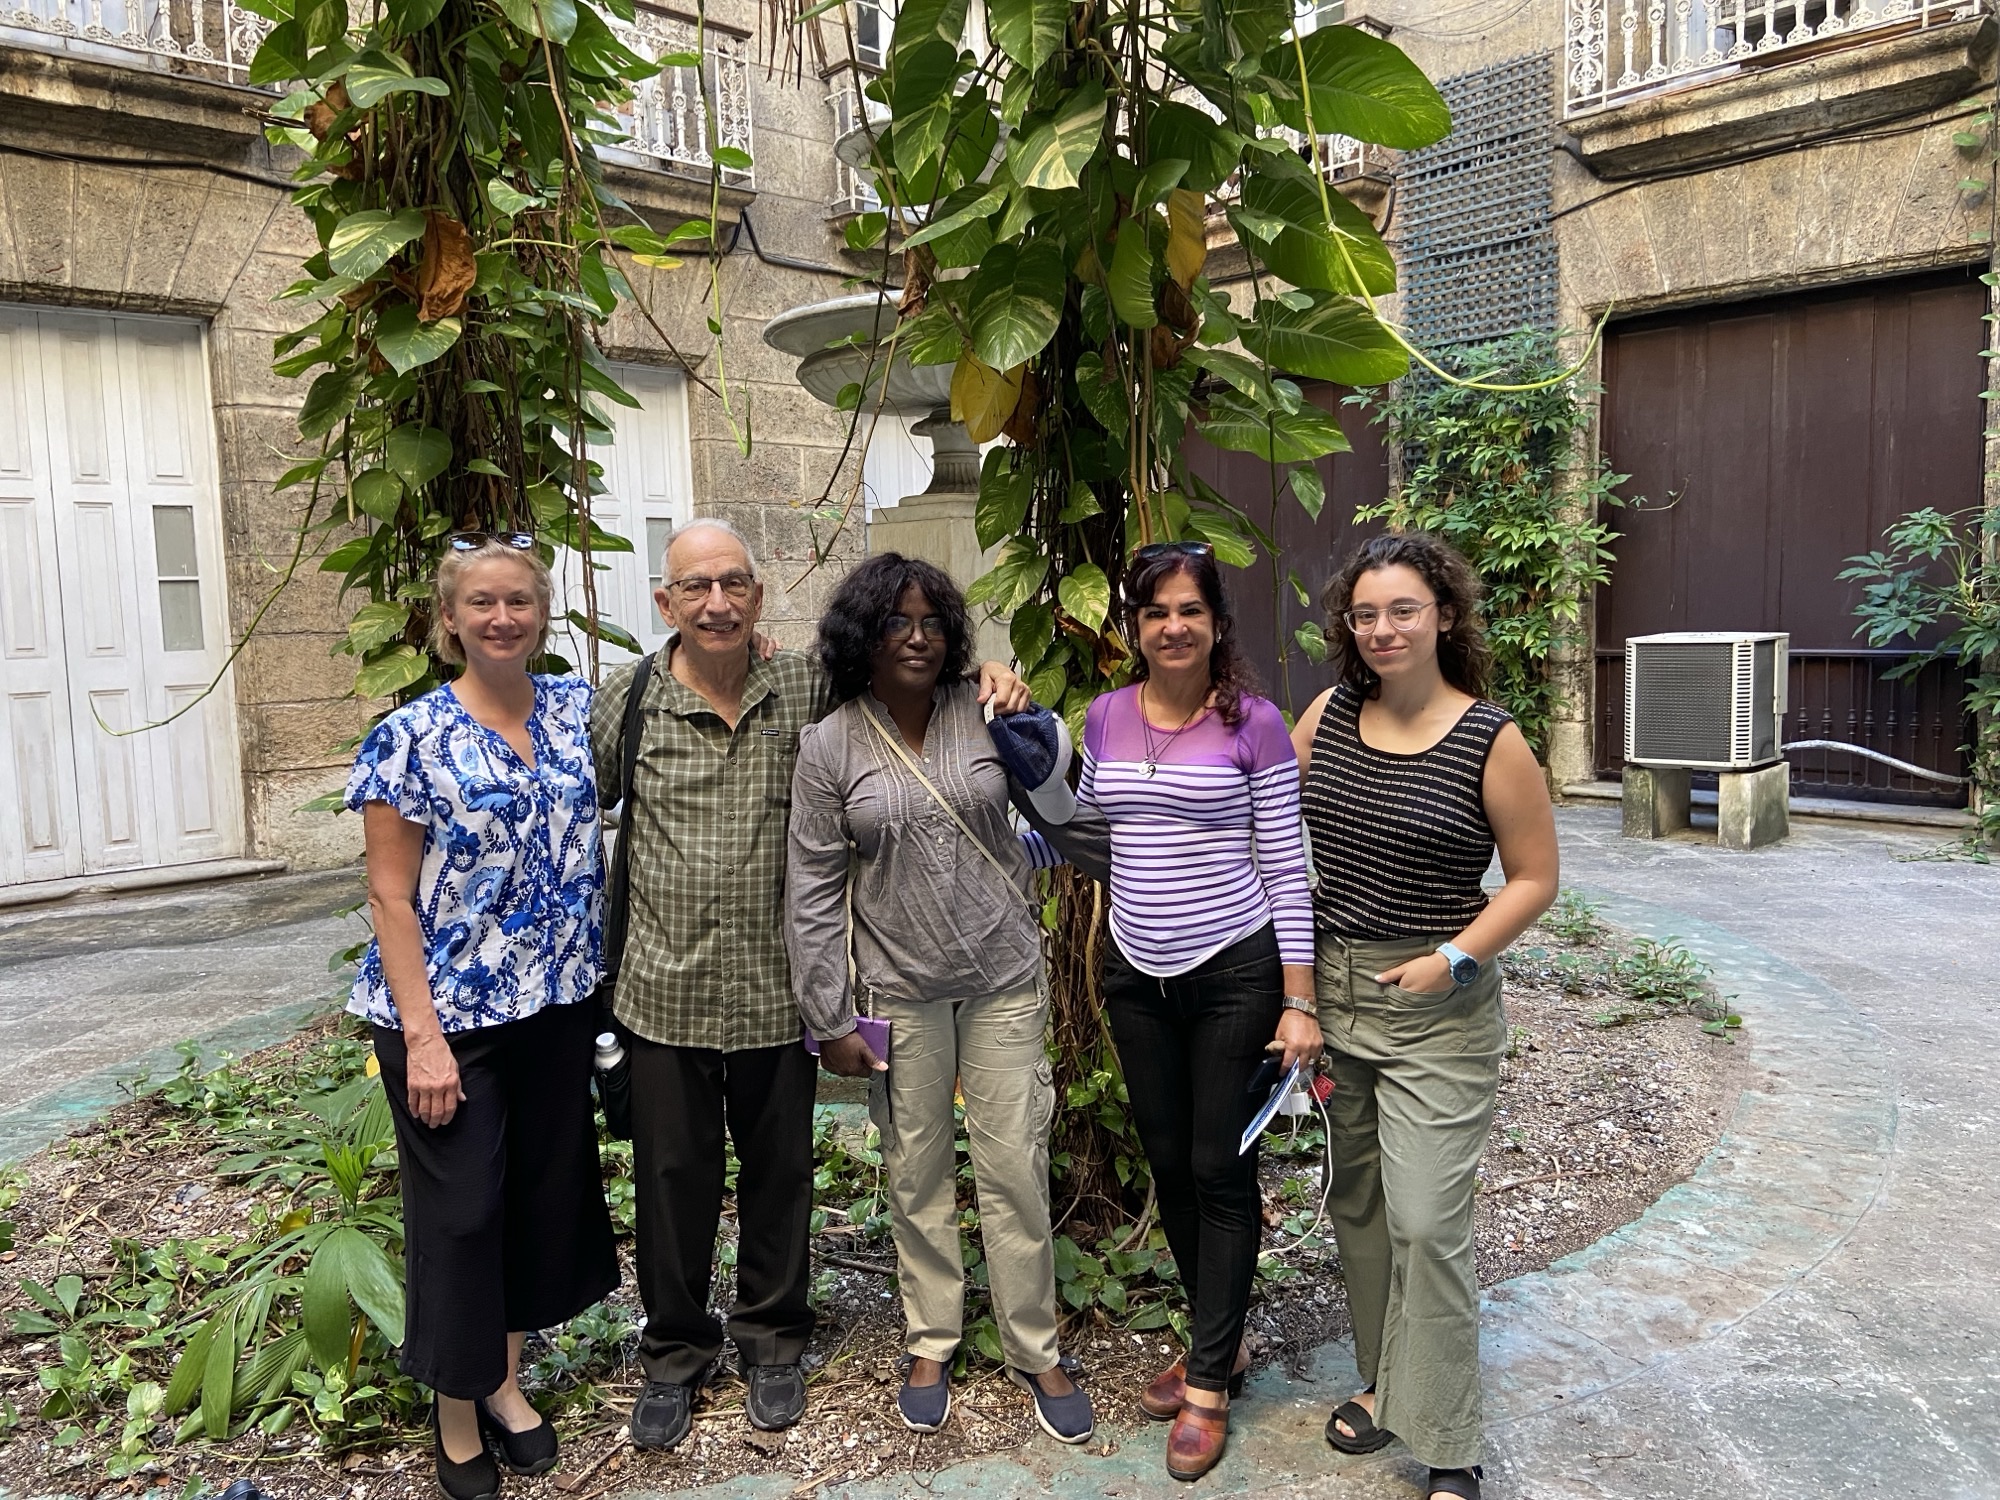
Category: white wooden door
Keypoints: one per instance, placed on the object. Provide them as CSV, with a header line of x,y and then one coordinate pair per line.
x,y
111,593
649,488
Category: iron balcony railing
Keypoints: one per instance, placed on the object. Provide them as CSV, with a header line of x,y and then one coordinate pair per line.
x,y
216,39
1619,50
212,39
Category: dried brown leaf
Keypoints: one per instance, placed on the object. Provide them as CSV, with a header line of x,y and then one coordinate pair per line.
x,y
447,270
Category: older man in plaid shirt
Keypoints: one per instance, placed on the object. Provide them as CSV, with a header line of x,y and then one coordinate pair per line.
x,y
705,991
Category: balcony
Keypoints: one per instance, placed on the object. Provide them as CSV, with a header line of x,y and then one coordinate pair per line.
x,y
668,127
210,39
215,40
1676,85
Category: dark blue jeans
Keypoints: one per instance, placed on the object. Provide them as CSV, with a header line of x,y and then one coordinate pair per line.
x,y
1188,1046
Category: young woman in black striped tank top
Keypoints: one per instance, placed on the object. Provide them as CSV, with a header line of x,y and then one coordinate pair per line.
x,y
1412,779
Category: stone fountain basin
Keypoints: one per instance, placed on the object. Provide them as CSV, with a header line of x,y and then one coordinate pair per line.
x,y
807,331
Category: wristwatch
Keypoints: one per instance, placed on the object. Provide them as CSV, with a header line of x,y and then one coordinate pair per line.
x,y
1307,1003
1464,967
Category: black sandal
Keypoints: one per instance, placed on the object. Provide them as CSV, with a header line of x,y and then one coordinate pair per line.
x,y
1367,1438
1463,1483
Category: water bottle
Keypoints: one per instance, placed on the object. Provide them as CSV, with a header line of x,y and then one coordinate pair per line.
x,y
614,1085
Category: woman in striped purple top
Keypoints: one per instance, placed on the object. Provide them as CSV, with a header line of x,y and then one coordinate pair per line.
x,y
1211,952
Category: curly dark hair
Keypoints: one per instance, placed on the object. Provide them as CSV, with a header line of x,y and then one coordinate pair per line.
x,y
851,629
1463,655
1227,671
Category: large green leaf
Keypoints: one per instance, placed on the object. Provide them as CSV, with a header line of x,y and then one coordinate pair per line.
x,y
375,75
1005,493
407,343
1017,298
920,94
1028,31
555,19
1013,579
376,624
189,1369
1209,147
1086,594
597,51
331,397
390,672
1031,634
1131,279
920,21
417,454
1347,256
377,493
362,243
218,1378
281,58
1337,340
1054,152
323,1306
1361,86
974,201
1272,434
372,1281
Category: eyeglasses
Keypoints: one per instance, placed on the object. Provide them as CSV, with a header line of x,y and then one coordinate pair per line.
x,y
1153,551
900,627
735,587
1403,615
472,541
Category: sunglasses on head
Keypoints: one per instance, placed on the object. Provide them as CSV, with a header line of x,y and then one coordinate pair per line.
x,y
1153,551
472,541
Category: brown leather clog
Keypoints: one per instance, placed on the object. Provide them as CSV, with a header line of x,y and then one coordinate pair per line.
x,y
1195,1444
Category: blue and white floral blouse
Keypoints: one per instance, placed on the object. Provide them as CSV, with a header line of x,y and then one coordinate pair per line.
x,y
509,892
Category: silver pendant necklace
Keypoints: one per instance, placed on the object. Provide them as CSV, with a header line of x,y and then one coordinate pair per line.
x,y
1151,763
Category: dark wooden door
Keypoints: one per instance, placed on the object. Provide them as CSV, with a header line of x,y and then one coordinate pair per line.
x,y
1772,441
1267,610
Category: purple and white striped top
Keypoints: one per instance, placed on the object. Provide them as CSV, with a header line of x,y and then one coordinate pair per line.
x,y
1206,849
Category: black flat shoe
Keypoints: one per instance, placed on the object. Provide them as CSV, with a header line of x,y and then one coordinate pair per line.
x,y
1463,1483
526,1453
478,1478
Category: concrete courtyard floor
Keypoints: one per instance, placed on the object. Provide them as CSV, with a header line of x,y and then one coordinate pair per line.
x,y
1815,1313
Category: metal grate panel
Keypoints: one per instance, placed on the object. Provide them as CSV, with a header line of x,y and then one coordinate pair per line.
x,y
1478,254
1678,704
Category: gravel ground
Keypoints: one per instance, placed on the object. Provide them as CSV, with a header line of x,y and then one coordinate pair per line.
x,y
1594,1122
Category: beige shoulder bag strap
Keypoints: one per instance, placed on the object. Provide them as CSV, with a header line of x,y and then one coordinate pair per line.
x,y
895,743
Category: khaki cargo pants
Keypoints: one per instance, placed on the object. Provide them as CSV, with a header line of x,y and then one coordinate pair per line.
x,y
1415,1080
991,1049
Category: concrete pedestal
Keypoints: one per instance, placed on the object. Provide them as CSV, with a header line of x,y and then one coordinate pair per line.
x,y
1753,808
1656,801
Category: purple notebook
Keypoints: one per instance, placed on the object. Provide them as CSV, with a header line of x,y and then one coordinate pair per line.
x,y
874,1031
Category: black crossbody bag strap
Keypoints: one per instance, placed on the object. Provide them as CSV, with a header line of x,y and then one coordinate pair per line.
x,y
617,895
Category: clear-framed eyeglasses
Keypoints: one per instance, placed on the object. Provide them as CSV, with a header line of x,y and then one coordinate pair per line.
x,y
735,587
901,627
1402,615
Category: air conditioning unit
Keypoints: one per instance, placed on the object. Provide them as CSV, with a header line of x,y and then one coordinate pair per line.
x,y
1707,699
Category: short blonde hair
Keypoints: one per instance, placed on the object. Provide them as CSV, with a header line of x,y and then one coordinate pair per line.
x,y
444,590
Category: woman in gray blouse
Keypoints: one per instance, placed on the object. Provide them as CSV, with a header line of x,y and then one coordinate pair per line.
x,y
900,787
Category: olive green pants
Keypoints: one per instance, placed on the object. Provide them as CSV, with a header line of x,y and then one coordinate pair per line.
x,y
990,1050
1415,1077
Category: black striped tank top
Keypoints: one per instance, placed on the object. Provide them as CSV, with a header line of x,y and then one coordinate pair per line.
x,y
1400,842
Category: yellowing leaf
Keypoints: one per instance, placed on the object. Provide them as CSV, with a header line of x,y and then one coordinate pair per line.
x,y
1187,235
373,1067
982,397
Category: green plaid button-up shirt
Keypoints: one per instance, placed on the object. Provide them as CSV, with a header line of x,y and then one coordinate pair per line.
x,y
704,961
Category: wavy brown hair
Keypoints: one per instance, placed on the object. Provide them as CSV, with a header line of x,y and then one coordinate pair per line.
x,y
1463,655
1227,672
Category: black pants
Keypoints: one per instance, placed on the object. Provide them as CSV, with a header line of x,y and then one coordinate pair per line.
x,y
681,1097
504,1224
1188,1046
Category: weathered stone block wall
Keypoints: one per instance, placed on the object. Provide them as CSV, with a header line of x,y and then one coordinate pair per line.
x,y
213,238
1873,202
